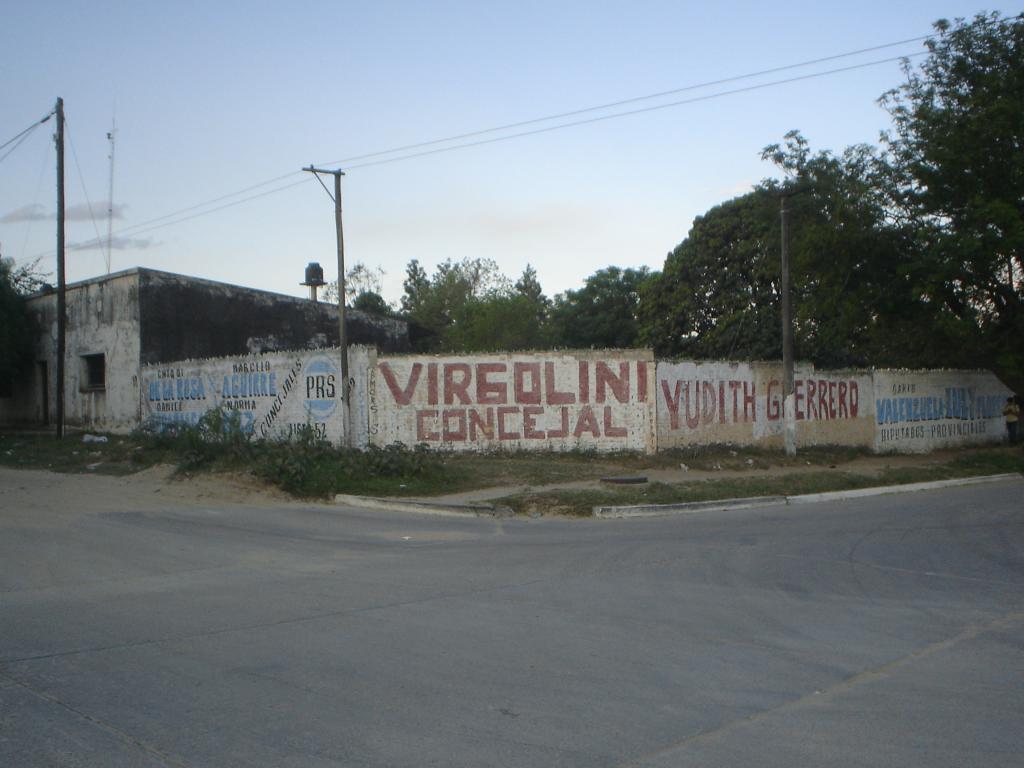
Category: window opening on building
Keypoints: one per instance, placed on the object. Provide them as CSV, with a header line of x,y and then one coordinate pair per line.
x,y
94,373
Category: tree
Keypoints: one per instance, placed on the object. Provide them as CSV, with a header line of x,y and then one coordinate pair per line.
x,y
498,322
537,304
16,330
603,313
416,285
359,279
908,254
435,304
717,295
372,302
957,172
854,292
857,270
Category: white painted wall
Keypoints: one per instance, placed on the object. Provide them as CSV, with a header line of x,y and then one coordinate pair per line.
x,y
599,400
275,394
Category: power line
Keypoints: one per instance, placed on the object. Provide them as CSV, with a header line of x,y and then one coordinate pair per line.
x,y
142,228
519,124
614,115
632,100
169,219
211,202
31,128
214,210
81,178
35,196
23,136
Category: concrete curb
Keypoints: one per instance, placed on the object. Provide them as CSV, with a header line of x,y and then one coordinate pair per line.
x,y
424,507
660,510
810,498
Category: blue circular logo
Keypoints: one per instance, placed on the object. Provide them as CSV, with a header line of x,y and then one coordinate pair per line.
x,y
321,382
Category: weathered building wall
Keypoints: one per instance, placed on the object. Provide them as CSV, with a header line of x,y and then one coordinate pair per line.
x,y
186,318
600,400
706,403
920,411
102,320
116,323
276,394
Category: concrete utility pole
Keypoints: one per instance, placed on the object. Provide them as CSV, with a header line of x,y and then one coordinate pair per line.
x,y
61,290
342,338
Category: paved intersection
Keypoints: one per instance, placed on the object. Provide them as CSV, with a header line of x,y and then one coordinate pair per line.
x,y
883,631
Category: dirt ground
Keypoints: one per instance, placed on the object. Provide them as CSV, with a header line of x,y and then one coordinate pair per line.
x,y
31,490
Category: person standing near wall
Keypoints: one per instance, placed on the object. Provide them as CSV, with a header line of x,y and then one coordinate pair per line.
x,y
1011,411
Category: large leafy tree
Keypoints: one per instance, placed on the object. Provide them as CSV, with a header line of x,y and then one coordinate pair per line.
x,y
908,254
957,172
15,324
603,313
434,304
853,296
857,271
716,296
497,322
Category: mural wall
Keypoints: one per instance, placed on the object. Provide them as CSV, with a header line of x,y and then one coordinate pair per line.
x,y
276,394
919,411
742,404
551,401
607,400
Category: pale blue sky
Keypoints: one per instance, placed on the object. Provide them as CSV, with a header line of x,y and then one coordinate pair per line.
x,y
212,97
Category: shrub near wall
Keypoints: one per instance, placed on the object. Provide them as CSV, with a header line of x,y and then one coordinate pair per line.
x,y
706,403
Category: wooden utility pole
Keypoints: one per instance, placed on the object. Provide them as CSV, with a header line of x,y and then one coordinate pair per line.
x,y
788,391
788,394
342,338
61,288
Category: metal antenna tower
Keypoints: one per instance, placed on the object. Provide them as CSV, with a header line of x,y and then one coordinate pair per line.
x,y
110,198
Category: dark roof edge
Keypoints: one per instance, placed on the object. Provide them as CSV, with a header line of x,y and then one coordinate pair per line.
x,y
141,271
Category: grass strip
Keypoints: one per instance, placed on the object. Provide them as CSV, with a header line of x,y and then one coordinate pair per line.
x,y
307,467
581,503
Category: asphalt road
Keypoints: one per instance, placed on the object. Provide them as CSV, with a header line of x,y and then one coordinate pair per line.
x,y
880,632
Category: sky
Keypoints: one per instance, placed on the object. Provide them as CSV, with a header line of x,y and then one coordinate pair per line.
x,y
217,102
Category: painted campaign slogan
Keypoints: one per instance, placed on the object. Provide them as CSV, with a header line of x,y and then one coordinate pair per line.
x,y
603,400
743,404
598,400
275,395
923,410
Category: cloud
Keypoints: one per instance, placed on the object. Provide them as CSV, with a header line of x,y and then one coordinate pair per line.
x,y
34,212
116,243
80,212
